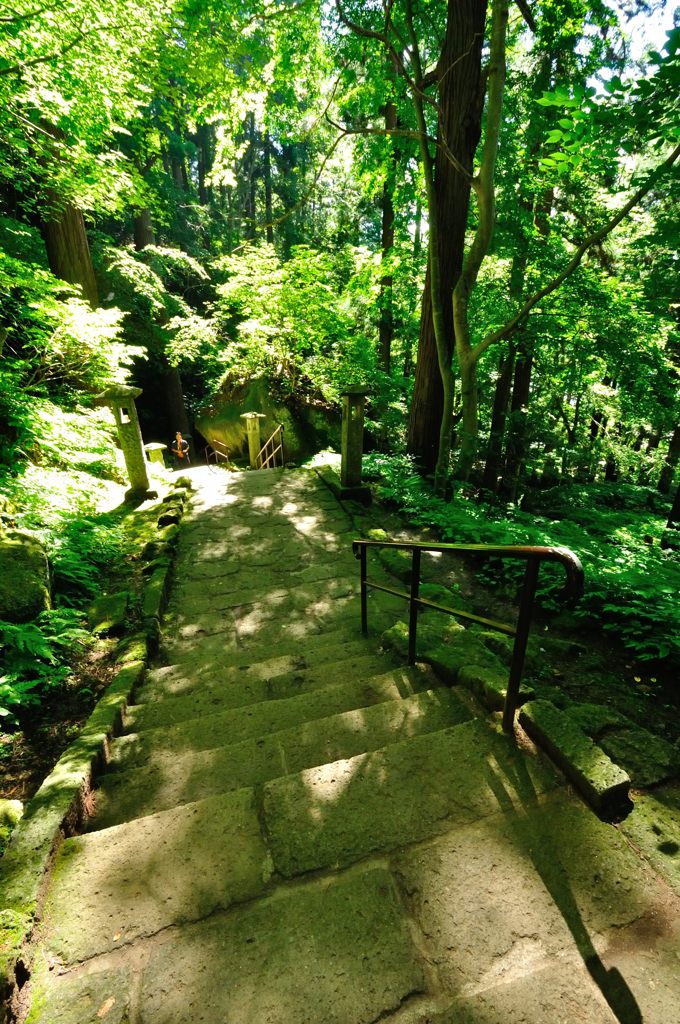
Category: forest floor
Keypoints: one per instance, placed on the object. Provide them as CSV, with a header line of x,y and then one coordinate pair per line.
x,y
567,663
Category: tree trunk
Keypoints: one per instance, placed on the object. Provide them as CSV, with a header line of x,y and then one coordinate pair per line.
x,y
672,458
268,214
671,536
68,251
515,452
494,453
386,326
174,397
143,230
461,100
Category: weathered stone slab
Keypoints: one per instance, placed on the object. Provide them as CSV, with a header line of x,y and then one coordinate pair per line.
x,y
24,577
654,827
502,899
109,888
337,952
344,811
108,614
558,993
603,784
87,998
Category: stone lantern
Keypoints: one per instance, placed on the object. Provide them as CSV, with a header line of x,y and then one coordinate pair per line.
x,y
352,444
121,400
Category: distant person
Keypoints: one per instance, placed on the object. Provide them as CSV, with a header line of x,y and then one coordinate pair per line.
x,y
180,449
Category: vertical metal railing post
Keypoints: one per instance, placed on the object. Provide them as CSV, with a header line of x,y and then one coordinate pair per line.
x,y
364,592
413,607
521,637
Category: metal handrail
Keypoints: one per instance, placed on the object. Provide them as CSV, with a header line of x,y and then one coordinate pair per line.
x,y
263,460
533,556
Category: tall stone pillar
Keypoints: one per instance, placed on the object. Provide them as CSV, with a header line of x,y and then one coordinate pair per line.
x,y
121,400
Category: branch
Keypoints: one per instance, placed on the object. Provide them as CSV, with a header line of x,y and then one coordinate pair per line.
x,y
407,133
382,37
527,15
512,325
82,34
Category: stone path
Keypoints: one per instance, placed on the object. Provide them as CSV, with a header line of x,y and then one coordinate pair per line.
x,y
295,830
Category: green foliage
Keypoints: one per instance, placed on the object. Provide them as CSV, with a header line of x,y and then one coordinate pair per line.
x,y
631,584
35,658
306,321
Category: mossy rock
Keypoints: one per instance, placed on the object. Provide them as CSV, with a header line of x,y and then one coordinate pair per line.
x,y
595,719
24,577
602,782
440,595
648,759
10,816
131,648
377,534
108,614
490,686
397,562
462,650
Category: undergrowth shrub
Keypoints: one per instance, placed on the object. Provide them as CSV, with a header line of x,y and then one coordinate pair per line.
x,y
631,584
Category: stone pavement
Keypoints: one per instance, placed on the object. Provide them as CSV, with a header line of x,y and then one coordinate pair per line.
x,y
296,830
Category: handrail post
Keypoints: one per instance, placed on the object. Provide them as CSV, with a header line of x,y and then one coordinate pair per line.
x,y
521,639
364,589
413,607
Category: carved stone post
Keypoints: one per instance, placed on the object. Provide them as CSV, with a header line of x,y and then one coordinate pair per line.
x,y
121,400
253,432
352,444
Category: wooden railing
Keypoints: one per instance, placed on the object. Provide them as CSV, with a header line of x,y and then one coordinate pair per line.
x,y
272,450
533,556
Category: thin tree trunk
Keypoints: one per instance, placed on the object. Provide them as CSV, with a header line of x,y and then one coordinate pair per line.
x,y
268,214
174,398
386,326
515,452
669,466
671,536
492,468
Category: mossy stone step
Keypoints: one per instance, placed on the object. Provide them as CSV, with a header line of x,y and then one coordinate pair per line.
x,y
220,728
173,778
341,952
339,813
301,639
216,697
136,879
200,698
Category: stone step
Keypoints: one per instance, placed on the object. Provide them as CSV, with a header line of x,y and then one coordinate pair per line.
x,y
201,698
219,728
341,952
172,778
215,698
185,863
301,638
338,813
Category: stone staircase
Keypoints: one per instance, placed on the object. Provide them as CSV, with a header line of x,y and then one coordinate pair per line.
x,y
285,831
